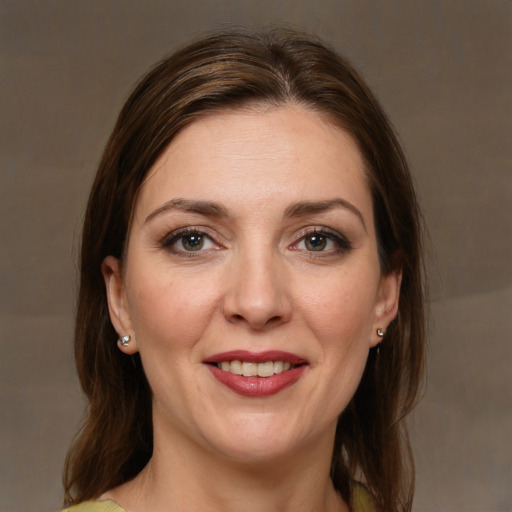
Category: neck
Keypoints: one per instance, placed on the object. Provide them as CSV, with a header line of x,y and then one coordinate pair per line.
x,y
192,479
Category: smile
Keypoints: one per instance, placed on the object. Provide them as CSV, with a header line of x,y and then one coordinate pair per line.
x,y
248,369
256,374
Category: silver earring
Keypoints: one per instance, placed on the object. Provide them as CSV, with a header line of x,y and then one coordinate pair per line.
x,y
124,340
380,334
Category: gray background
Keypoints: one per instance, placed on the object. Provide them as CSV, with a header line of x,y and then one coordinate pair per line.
x,y
442,69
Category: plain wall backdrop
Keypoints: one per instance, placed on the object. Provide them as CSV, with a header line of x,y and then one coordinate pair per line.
x,y
442,69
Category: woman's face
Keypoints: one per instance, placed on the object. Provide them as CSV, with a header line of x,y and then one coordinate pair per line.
x,y
251,285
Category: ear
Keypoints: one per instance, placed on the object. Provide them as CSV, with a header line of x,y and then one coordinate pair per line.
x,y
117,304
386,306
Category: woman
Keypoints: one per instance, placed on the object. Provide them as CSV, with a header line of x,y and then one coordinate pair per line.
x,y
250,322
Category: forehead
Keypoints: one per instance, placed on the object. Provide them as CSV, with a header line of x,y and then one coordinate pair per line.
x,y
256,156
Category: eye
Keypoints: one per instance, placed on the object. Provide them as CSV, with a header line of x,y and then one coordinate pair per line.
x,y
193,242
323,240
316,242
189,240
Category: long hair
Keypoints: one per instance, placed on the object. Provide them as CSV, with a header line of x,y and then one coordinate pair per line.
x,y
234,70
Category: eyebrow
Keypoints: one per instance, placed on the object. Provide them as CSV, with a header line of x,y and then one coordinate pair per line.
x,y
213,209
208,208
311,207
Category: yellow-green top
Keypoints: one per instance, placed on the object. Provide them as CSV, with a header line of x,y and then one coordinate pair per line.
x,y
363,502
95,506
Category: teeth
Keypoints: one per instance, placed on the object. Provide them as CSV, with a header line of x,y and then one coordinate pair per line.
x,y
265,369
234,367
247,369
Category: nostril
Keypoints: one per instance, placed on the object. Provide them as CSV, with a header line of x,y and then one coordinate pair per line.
x,y
256,323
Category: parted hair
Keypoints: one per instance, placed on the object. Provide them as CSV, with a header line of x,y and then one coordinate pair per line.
x,y
240,69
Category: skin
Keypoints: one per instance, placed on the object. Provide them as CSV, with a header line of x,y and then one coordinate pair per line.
x,y
256,284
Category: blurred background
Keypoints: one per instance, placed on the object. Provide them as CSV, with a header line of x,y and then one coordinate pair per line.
x,y
442,69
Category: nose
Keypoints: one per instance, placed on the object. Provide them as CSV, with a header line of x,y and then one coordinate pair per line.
x,y
258,293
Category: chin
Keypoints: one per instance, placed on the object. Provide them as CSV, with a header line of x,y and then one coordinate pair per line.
x,y
260,438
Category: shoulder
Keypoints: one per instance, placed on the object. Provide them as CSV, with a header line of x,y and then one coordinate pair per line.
x,y
95,506
362,500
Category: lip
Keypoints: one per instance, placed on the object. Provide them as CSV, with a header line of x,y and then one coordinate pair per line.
x,y
257,386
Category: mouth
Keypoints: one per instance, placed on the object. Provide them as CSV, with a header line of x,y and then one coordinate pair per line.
x,y
256,374
248,369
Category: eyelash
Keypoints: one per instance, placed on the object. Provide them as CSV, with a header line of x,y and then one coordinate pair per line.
x,y
341,242
171,239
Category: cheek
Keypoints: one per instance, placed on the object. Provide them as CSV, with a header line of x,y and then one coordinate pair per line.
x,y
340,308
169,317
170,313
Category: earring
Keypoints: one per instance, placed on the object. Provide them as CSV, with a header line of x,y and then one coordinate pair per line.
x,y
124,340
380,334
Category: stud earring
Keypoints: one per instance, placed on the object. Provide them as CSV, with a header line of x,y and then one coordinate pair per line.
x,y
124,340
380,334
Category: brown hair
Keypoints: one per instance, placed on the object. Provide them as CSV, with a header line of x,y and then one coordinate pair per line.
x,y
234,70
